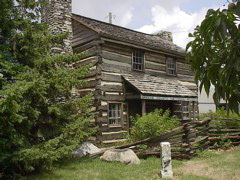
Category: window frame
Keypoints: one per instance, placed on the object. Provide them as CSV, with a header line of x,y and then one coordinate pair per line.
x,y
185,105
171,61
120,114
142,57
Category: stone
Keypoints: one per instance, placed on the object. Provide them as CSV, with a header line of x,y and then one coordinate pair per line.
x,y
86,148
126,156
166,164
58,15
165,35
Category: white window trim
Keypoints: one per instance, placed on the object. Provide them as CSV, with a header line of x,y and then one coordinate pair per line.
x,y
143,59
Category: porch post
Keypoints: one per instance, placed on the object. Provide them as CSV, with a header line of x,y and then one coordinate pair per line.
x,y
194,110
143,107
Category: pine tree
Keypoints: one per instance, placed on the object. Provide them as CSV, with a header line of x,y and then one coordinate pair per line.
x,y
40,120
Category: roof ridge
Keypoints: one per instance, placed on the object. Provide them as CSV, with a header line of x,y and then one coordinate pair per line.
x,y
118,26
125,34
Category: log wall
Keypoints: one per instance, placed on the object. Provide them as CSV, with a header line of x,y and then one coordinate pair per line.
x,y
82,34
109,61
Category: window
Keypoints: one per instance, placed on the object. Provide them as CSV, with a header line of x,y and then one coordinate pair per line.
x,y
138,60
185,108
171,66
114,113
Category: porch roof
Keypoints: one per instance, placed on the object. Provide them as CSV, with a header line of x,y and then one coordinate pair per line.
x,y
159,87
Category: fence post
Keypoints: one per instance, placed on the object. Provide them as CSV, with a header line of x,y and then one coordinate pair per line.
x,y
166,169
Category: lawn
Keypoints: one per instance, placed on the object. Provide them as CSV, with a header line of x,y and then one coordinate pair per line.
x,y
211,165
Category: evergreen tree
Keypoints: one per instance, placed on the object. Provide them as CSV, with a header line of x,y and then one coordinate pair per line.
x,y
40,120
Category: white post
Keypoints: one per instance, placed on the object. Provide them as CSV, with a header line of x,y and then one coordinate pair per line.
x,y
166,171
110,18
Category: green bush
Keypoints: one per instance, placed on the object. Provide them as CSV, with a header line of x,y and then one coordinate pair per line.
x,y
152,124
222,113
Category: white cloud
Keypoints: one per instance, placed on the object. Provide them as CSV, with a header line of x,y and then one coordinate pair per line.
x,y
126,19
152,15
176,21
122,11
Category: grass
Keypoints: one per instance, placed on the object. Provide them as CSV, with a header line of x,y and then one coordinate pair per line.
x,y
210,165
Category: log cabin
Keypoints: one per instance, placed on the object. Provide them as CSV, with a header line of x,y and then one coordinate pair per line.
x,y
131,72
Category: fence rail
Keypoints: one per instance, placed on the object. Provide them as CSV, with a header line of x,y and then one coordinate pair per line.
x,y
210,133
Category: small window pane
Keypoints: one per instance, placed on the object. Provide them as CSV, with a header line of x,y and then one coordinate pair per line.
x,y
185,109
171,66
138,60
114,115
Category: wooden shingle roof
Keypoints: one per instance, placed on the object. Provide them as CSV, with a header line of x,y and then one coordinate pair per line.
x,y
127,35
152,85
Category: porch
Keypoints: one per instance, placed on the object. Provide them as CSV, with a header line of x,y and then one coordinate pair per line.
x,y
146,93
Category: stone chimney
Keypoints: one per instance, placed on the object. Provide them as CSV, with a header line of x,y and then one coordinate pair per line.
x,y
165,35
58,15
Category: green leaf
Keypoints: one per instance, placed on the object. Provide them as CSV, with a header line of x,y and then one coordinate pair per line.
x,y
237,9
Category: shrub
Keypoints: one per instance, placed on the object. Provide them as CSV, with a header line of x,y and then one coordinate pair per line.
x,y
222,113
152,124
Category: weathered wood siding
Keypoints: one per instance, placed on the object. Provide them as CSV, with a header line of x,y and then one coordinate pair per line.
x,y
117,60
82,34
108,62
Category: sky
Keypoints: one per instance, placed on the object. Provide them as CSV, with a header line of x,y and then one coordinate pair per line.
x,y
151,16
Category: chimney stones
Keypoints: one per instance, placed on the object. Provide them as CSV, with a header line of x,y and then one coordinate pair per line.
x,y
58,15
165,35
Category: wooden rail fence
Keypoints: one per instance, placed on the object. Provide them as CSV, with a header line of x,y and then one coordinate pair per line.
x,y
210,133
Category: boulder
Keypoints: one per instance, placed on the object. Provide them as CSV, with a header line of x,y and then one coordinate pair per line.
x,y
126,156
86,148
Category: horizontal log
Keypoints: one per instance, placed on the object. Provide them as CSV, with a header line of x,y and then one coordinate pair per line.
x,y
220,127
185,78
157,67
116,57
157,58
81,48
229,134
117,48
92,73
203,139
185,72
156,72
116,63
80,41
223,130
200,123
91,83
110,88
225,119
111,97
114,68
111,77
92,61
153,139
184,65
223,138
235,143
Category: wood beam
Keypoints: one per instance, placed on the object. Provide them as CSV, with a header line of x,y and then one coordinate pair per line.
x,y
143,107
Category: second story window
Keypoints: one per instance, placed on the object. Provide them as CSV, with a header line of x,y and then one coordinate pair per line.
x,y
138,60
171,66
